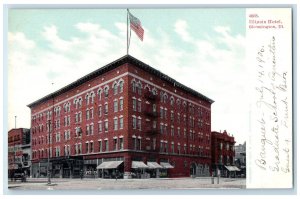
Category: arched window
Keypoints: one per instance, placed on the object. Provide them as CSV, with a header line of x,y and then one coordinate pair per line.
x,y
139,87
87,99
115,87
106,88
133,86
99,92
121,85
147,87
172,100
161,96
92,96
80,102
154,91
165,98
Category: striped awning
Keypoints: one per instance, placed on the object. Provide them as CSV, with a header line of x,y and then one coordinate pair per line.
x,y
154,165
138,165
232,168
166,165
109,165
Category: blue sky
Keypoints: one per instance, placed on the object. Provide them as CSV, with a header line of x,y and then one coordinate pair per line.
x,y
201,48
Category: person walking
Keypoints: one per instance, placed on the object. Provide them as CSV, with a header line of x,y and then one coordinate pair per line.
x,y
81,174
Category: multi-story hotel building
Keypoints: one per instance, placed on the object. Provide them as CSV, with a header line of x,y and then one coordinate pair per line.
x,y
222,145
125,118
19,150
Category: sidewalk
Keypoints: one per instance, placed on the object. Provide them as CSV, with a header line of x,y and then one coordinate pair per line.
x,y
122,184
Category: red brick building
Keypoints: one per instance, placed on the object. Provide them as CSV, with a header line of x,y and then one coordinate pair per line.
x,y
222,145
126,118
19,150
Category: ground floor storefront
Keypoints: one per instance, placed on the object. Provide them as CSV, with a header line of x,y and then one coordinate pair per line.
x,y
126,164
227,171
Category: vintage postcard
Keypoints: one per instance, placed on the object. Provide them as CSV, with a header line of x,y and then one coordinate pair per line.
x,y
156,99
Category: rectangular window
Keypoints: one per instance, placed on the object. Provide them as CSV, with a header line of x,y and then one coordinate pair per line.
x,y
161,147
134,143
121,104
121,143
91,147
161,113
134,104
80,148
154,108
121,123
178,131
154,124
172,116
165,113
87,114
100,111
106,108
80,117
92,129
116,124
172,147
100,145
178,117
106,145
115,106
172,131
100,127
161,128
87,130
134,122
139,144
115,144
139,106
92,113
154,143
87,147
76,118
178,149
140,124
106,126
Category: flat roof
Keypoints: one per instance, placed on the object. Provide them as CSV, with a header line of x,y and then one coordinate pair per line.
x,y
113,65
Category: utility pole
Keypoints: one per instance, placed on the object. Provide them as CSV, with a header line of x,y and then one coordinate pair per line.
x,y
49,134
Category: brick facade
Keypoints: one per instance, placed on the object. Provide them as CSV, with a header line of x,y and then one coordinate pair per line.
x,y
19,149
159,120
223,154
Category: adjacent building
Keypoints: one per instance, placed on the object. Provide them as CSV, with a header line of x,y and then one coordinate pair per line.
x,y
240,158
19,150
222,145
126,119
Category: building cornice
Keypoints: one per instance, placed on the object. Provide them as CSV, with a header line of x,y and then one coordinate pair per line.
x,y
115,64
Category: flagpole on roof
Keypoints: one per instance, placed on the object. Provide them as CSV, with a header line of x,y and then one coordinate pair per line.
x,y
127,31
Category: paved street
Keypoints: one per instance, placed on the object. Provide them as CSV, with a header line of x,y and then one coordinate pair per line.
x,y
123,184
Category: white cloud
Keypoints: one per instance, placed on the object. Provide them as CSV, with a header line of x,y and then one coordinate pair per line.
x,y
215,66
181,27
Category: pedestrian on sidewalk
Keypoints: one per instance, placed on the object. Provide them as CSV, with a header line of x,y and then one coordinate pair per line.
x,y
81,174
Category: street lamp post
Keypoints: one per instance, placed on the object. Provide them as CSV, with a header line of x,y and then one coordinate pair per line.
x,y
49,136
48,165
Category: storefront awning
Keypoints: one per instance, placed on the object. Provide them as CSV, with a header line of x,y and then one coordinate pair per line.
x,y
109,165
166,165
154,165
138,165
232,168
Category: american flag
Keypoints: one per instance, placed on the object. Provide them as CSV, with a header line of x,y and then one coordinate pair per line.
x,y
136,26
